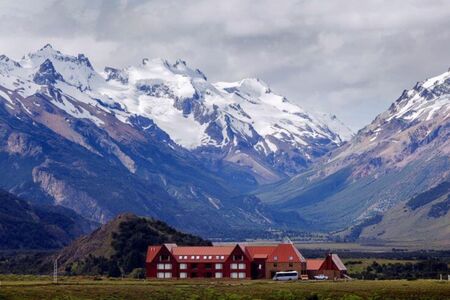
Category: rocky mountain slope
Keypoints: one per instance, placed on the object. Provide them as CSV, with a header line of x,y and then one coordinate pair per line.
x,y
34,227
424,219
157,139
403,152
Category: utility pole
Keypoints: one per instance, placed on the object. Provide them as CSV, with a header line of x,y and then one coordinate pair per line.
x,y
55,271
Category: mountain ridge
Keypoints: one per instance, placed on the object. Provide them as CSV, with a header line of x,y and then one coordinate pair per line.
x,y
403,152
92,142
37,227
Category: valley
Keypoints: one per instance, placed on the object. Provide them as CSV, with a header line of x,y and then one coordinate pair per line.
x,y
243,162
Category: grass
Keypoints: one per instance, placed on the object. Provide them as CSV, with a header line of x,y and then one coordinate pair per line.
x,y
357,265
75,288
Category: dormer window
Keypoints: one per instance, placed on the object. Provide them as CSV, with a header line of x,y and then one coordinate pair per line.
x,y
275,258
164,258
291,258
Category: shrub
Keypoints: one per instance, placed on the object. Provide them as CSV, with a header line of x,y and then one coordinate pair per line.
x,y
137,273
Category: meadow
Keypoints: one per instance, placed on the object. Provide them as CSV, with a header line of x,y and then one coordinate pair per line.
x,y
74,288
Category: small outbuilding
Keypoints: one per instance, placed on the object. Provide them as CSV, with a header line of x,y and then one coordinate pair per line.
x,y
332,267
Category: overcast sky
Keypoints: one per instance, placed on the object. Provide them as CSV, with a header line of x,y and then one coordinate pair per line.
x,y
350,58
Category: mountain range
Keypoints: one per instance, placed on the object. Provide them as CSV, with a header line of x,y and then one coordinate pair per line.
x,y
402,153
219,159
156,139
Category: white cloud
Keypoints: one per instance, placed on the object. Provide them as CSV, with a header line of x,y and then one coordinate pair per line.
x,y
352,58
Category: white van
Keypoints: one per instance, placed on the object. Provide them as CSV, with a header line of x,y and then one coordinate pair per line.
x,y
285,276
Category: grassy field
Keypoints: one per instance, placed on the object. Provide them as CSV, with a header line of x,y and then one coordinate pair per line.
x,y
70,288
359,264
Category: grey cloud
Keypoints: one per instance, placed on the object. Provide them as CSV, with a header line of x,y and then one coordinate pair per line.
x,y
351,58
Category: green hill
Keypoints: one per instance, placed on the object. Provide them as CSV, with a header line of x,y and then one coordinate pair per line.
x,y
120,246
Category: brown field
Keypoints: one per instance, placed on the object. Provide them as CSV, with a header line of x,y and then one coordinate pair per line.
x,y
71,288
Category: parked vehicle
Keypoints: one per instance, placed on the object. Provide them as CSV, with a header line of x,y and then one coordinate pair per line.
x,y
321,277
285,276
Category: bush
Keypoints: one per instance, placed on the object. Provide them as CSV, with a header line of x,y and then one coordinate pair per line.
x,y
137,273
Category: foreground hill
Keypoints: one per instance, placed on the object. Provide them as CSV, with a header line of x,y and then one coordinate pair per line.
x,y
403,152
123,243
24,226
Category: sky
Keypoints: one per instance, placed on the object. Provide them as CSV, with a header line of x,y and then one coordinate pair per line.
x,y
349,58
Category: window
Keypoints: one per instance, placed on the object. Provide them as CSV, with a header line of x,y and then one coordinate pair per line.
x,y
183,275
209,257
238,257
192,257
208,266
234,266
275,258
208,274
217,256
222,257
183,266
164,258
167,275
242,266
164,266
160,275
234,275
218,266
185,257
291,258
180,257
197,257
205,257
291,264
275,265
194,266
219,275
241,274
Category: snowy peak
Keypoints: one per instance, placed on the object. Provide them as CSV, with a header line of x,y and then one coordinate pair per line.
x,y
437,80
243,121
336,125
76,70
425,101
47,74
7,64
254,87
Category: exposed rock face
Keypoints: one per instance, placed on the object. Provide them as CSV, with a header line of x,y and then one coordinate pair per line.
x,y
403,152
157,139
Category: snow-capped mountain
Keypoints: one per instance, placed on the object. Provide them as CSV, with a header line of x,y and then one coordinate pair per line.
x,y
157,139
243,122
403,152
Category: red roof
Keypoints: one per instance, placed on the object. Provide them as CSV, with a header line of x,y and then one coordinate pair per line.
x,y
203,250
152,251
285,253
338,262
202,253
259,251
314,264
275,253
